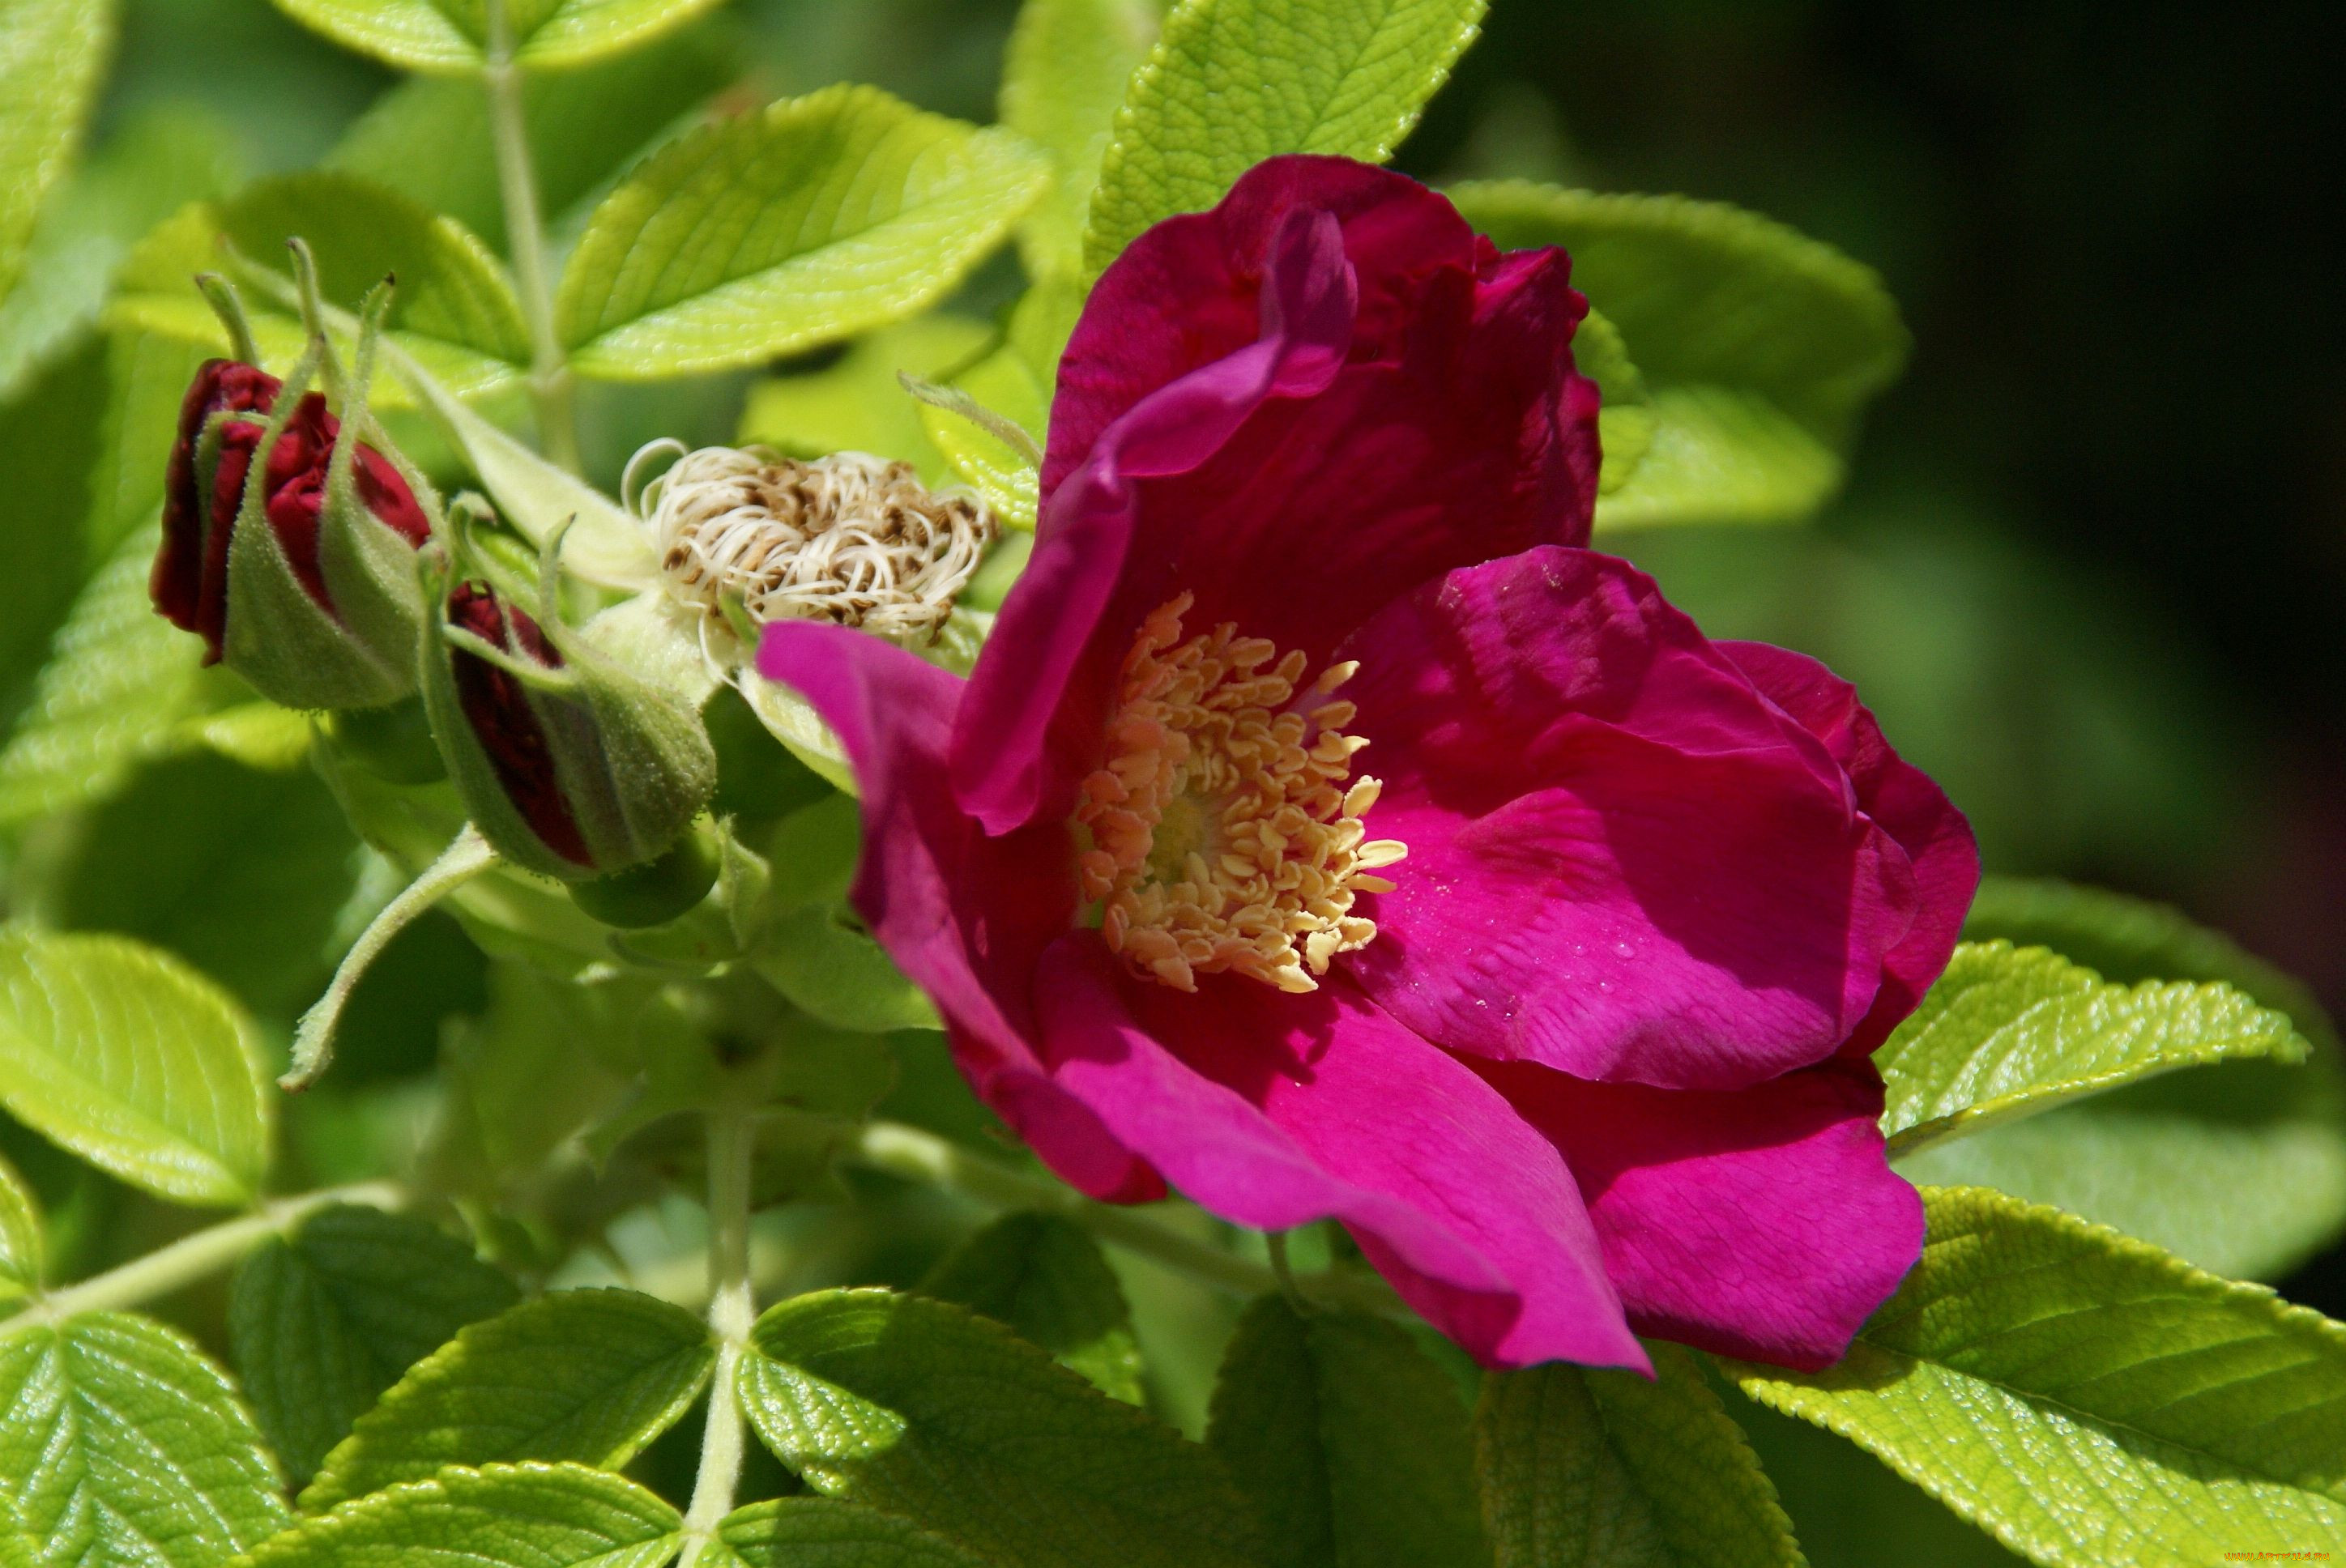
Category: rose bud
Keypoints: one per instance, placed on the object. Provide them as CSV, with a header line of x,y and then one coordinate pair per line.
x,y
568,765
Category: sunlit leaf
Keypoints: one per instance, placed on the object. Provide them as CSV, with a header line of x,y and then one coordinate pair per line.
x,y
857,404
52,53
803,1532
20,1235
499,1516
453,35
1063,79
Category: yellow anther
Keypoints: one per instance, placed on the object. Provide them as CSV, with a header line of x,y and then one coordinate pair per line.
x,y
1225,823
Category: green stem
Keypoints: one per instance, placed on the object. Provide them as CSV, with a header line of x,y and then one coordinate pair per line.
x,y
917,1155
191,1257
732,1308
549,378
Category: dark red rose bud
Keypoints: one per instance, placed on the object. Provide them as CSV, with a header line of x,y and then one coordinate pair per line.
x,y
497,710
190,585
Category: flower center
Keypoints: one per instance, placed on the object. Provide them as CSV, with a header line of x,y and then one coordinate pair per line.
x,y
1224,836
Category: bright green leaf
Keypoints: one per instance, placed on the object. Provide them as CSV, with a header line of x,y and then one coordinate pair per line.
x,y
453,35
20,1235
1063,79
2089,1398
583,1375
324,1320
803,1532
52,55
147,381
857,404
51,436
1044,1277
1353,1445
1587,1466
2010,1032
453,308
829,966
921,1409
499,1516
1758,346
135,1062
1233,82
850,208
125,1448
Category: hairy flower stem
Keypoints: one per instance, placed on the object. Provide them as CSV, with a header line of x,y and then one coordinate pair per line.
x,y
550,378
191,1257
732,1308
917,1155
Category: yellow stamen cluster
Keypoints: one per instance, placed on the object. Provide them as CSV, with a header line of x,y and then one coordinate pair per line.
x,y
1224,836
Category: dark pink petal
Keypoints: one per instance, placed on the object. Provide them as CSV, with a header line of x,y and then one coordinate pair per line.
x,y
1422,414
1761,1223
1624,863
964,916
1273,1110
1901,797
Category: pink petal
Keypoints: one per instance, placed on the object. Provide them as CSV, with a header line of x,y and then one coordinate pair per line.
x,y
1623,862
1273,1110
964,916
1905,801
1761,1223
1325,375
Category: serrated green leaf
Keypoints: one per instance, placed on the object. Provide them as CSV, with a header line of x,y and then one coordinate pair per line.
x,y
20,1235
498,1516
857,404
135,1062
828,965
1063,78
1004,383
1233,82
1044,1277
921,1409
1588,1466
584,1375
52,56
324,1320
851,209
50,439
1353,1445
2010,1032
2089,1398
428,138
116,676
453,35
1758,346
125,1448
453,308
802,1532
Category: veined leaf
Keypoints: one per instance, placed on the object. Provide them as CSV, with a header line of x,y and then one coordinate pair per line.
x,y
2009,1031
850,208
838,974
125,1448
1353,1445
1015,381
499,1516
135,1062
802,1532
453,35
584,1375
924,1410
52,53
1590,1466
1044,1277
1063,79
2089,1398
453,308
857,404
51,435
20,1235
1759,346
1233,82
324,1320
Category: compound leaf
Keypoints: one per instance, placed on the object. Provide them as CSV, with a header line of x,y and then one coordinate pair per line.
x,y
134,1062
2089,1398
1582,1465
584,1375
846,208
1353,1443
324,1320
1233,82
921,1409
1044,1277
125,1448
498,1516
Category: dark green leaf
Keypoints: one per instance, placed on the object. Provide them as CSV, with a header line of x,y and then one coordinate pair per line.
x,y
823,1533
1045,1277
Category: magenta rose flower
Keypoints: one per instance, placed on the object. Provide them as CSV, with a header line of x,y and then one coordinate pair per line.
x,y
1326,832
